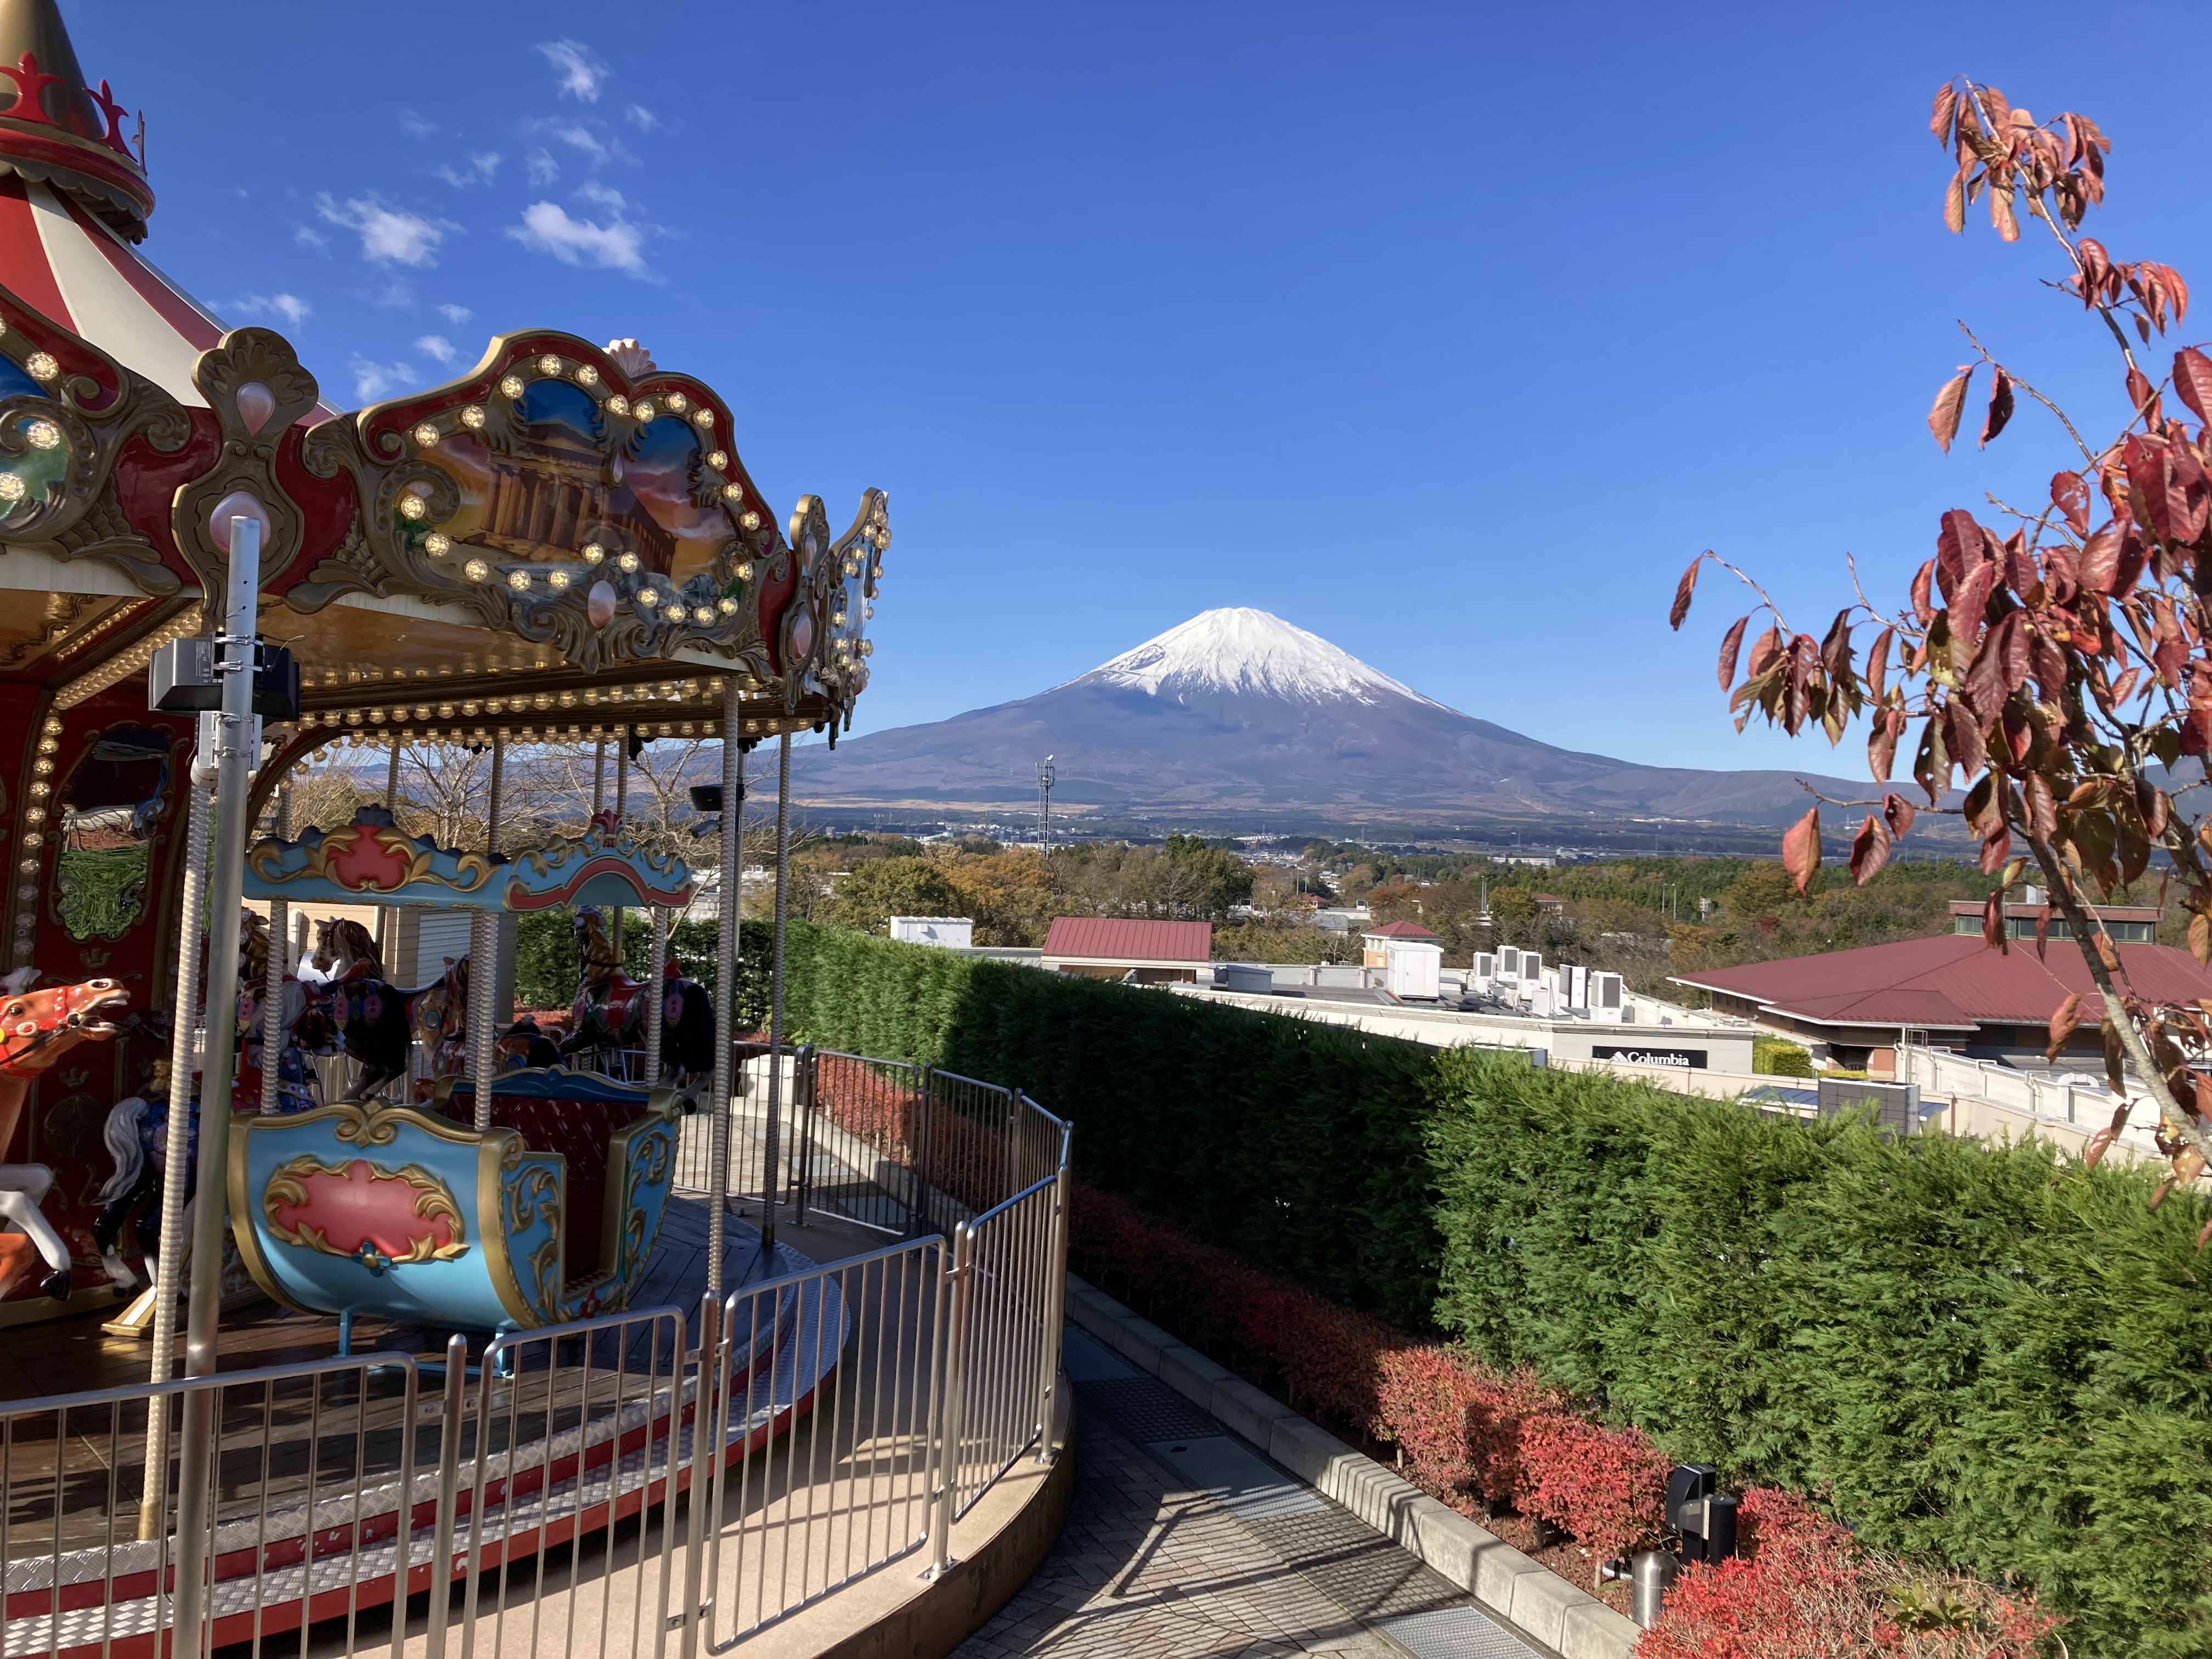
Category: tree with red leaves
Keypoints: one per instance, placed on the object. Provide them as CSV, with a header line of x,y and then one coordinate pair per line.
x,y
2060,671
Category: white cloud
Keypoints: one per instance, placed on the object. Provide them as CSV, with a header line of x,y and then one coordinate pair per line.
x,y
546,228
290,306
543,169
413,124
455,314
645,119
581,138
395,294
582,71
308,237
372,380
435,345
479,170
388,236
606,195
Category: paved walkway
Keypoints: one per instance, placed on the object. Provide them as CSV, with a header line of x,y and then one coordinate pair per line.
x,y
1184,1541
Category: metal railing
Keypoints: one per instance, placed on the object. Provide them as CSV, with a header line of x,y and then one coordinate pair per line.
x,y
645,1482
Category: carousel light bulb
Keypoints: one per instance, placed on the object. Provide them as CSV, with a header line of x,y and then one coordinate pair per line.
x,y
852,565
519,580
726,605
12,487
593,552
628,561
47,745
586,375
412,505
44,434
558,580
42,366
678,402
471,709
42,765
645,410
476,570
704,418
616,404
473,418
744,570
426,436
29,866
568,700
438,543
868,611
647,597
703,615
510,386
734,492
718,460
549,364
749,519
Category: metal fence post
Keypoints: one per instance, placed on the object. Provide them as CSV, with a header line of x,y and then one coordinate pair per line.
x,y
946,1433
453,1405
802,1108
1055,1301
706,1455
925,1095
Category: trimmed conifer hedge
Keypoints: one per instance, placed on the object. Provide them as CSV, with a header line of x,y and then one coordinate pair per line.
x,y
1971,1353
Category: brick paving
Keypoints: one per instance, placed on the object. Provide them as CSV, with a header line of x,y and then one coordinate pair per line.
x,y
1148,1568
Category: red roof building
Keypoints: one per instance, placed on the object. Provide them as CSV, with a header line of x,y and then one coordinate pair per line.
x,y
1952,990
1411,930
1120,947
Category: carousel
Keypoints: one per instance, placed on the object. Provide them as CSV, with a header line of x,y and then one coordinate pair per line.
x,y
560,546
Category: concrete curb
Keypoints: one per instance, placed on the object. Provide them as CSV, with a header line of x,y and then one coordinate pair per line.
x,y
1551,1610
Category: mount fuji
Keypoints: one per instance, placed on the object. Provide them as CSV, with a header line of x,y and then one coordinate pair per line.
x,y
1238,712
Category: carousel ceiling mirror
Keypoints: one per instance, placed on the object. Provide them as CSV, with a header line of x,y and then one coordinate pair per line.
x,y
109,808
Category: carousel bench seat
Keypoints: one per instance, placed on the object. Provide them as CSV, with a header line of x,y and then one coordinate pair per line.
x,y
576,1114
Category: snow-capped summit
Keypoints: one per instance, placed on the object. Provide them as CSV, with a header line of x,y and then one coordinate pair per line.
x,y
1247,652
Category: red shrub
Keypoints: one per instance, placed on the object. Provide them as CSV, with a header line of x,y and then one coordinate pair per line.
x,y
1606,1486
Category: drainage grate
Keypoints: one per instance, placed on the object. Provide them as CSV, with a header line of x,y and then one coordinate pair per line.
x,y
1452,1633
1217,1467
1146,1409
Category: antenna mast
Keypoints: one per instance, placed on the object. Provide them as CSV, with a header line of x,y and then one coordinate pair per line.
x,y
1044,811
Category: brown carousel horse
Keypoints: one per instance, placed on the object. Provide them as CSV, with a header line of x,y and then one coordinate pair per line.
x,y
37,1027
610,1007
374,1019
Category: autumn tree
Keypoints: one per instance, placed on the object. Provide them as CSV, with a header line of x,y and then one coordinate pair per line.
x,y
2056,665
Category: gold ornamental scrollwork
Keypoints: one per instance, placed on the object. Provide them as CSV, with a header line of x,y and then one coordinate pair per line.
x,y
365,1124
254,383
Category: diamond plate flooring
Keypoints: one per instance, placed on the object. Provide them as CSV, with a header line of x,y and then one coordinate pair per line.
x,y
1184,1541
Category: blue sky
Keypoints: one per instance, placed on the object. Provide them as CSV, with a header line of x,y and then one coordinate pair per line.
x,y
1449,332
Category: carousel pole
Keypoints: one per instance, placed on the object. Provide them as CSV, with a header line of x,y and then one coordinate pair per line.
x,y
176,1167
621,805
387,915
483,957
226,892
728,910
273,992
653,1009
769,1181
598,777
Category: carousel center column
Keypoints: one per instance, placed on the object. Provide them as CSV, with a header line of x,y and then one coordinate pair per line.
x,y
728,894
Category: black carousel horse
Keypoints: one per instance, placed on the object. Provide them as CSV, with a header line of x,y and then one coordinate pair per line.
x,y
374,1020
609,1012
687,1029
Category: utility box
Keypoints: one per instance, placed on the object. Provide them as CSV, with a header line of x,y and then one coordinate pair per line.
x,y
1895,1106
1251,978
1509,963
1410,970
952,933
1486,967
1608,995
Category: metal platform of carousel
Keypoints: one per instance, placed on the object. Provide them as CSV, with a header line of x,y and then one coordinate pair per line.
x,y
879,1372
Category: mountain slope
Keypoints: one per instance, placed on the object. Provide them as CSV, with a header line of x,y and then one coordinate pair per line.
x,y
1238,710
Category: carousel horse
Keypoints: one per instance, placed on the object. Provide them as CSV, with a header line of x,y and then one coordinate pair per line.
x,y
610,1006
372,1018
37,1027
687,1029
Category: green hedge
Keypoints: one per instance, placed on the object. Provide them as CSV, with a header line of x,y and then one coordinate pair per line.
x,y
1973,1354
1779,1057
1297,1145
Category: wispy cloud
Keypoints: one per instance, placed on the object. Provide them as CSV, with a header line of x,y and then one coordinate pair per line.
x,y
581,70
394,294
389,235
437,346
617,245
414,125
583,138
290,306
455,314
373,380
603,195
643,118
542,168
308,236
479,170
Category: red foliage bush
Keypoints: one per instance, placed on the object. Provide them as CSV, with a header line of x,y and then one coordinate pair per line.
x,y
1458,1423
1803,1590
1607,1486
